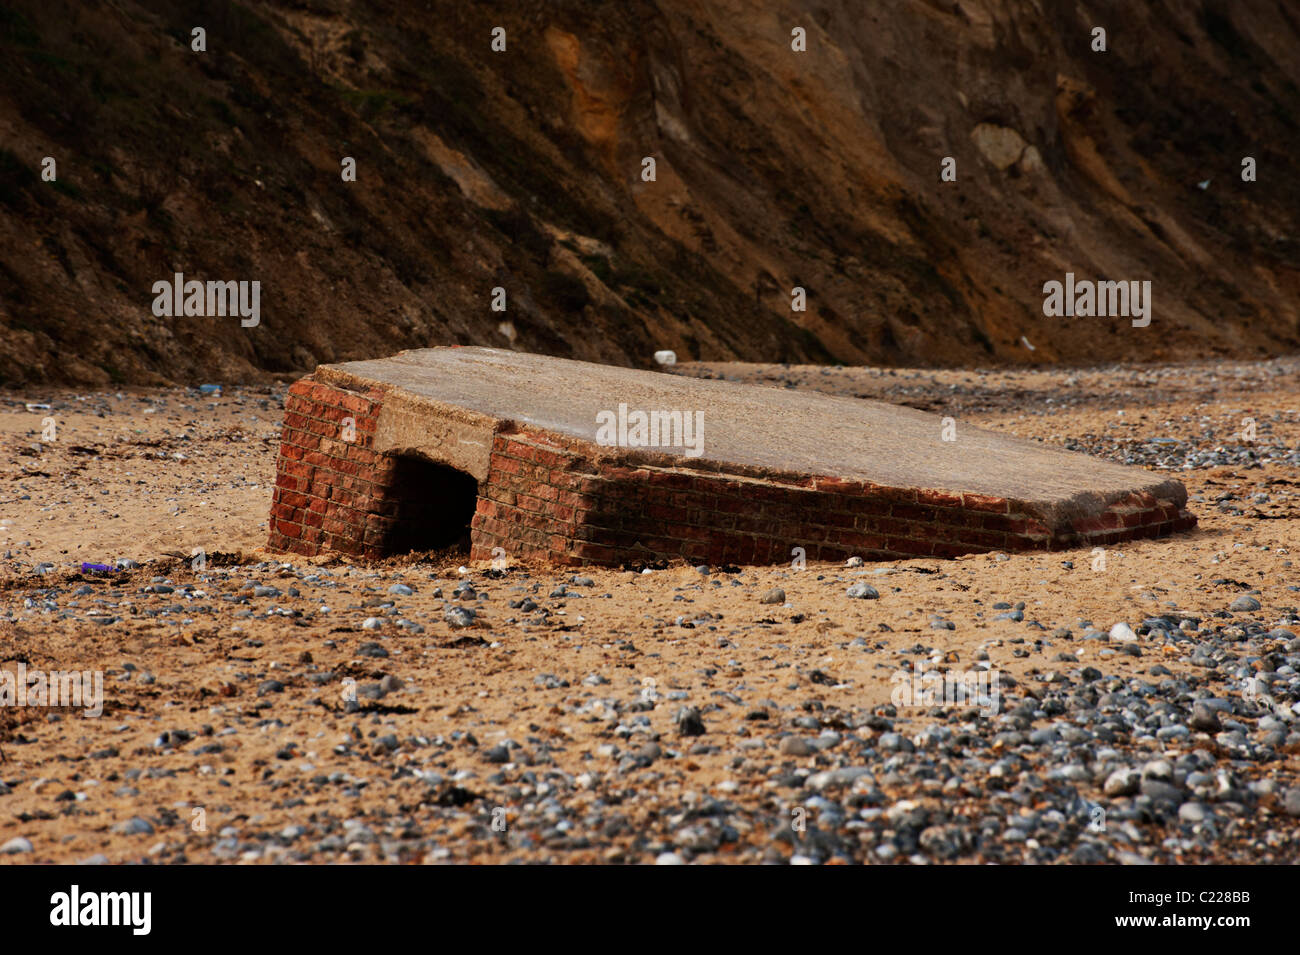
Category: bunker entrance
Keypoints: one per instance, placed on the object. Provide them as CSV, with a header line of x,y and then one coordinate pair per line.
x,y
435,504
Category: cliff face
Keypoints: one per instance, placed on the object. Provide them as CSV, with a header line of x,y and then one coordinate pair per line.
x,y
522,169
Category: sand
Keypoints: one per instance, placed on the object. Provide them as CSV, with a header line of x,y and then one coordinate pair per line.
x,y
153,475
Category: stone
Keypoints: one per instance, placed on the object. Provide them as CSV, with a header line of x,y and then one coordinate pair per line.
x,y
16,846
135,826
797,746
1162,791
689,722
1122,782
1204,719
1000,145
1122,633
459,617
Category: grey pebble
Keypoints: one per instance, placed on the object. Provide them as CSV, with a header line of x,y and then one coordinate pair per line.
x,y
459,617
135,826
797,746
1204,719
689,722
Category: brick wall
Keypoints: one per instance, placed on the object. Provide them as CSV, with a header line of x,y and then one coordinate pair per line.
x,y
330,492
545,498
552,498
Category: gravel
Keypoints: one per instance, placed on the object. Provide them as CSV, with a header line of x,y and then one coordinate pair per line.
x,y
762,718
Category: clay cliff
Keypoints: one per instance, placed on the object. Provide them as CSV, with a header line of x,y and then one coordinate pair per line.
x,y
522,169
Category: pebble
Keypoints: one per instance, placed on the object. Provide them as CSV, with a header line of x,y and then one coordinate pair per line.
x,y
797,746
135,826
15,846
459,617
862,591
1204,719
689,721
833,778
894,743
774,596
1162,791
1123,633
1122,782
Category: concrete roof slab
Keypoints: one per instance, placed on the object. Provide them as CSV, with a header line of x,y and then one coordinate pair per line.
x,y
753,428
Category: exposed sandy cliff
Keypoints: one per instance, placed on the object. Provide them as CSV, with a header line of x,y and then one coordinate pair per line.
x,y
522,169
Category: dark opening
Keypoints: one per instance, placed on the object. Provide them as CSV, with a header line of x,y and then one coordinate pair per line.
x,y
435,505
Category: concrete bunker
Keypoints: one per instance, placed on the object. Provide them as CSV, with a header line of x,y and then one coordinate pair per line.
x,y
391,455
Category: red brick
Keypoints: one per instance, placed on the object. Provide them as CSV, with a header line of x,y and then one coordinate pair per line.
x,y
939,498
914,512
982,502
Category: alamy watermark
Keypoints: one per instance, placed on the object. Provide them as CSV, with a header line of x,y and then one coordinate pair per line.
x,y
1088,299
208,299
84,688
75,907
651,429
977,688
